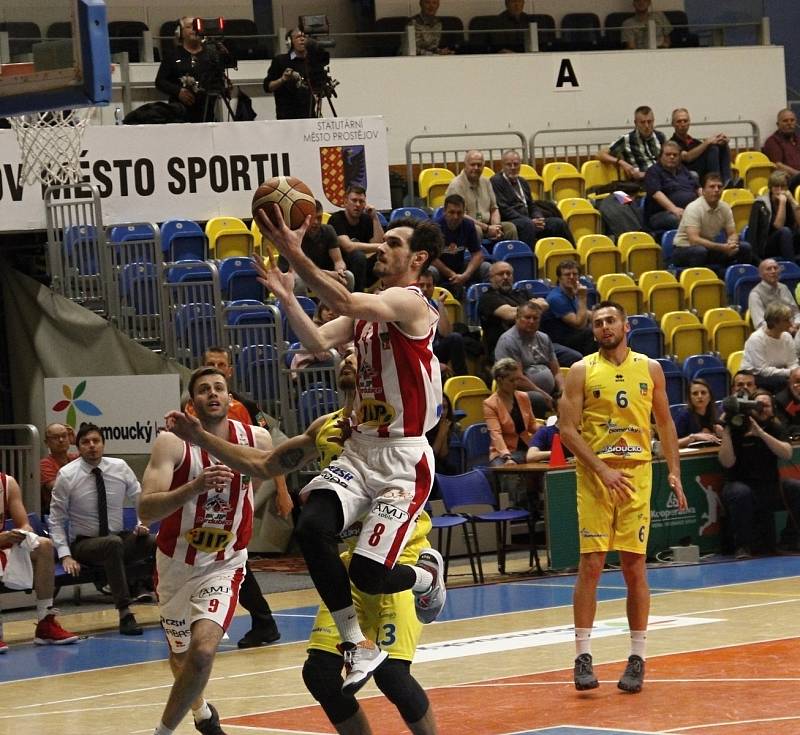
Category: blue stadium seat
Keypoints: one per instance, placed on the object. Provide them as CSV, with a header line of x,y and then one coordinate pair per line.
x,y
676,391
519,255
790,274
646,336
238,279
82,249
196,327
258,370
247,311
668,248
139,288
309,306
125,233
675,410
183,239
733,273
408,212
315,402
189,270
711,369
537,288
474,293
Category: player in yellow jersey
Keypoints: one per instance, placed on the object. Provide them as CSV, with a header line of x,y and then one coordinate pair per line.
x,y
604,415
390,618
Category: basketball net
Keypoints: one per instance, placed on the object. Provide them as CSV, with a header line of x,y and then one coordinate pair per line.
x,y
50,145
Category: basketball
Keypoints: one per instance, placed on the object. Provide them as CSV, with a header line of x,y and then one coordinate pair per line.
x,y
292,196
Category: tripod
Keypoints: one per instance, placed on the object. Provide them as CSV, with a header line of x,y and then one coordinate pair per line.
x,y
316,100
211,105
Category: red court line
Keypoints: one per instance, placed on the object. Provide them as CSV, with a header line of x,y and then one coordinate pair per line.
x,y
671,700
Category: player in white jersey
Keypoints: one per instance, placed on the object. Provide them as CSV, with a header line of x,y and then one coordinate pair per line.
x,y
206,512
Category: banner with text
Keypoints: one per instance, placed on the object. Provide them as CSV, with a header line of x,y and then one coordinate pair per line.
x,y
127,408
199,171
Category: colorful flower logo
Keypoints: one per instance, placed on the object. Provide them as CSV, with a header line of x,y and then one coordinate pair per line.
x,y
74,401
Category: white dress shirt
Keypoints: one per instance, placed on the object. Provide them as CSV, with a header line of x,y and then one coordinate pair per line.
x,y
74,502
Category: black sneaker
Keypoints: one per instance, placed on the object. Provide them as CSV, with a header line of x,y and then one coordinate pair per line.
x,y
633,678
210,726
260,635
583,674
129,626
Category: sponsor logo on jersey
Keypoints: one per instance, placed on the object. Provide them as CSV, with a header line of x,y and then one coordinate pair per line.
x,y
214,590
619,378
352,531
586,533
375,413
643,388
209,540
398,493
216,510
389,512
621,449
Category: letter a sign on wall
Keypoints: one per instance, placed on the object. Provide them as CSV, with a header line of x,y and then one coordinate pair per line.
x,y
566,76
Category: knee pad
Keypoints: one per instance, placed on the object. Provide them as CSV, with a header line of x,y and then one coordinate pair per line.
x,y
367,575
322,675
321,517
394,679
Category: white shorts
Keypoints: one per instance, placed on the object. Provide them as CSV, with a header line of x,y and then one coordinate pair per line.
x,y
186,594
384,484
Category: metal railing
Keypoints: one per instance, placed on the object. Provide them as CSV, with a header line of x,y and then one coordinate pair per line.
x,y
20,450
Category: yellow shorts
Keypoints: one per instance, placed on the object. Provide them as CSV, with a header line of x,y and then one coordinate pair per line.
x,y
604,526
389,620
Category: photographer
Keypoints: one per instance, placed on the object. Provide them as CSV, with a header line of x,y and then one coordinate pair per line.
x,y
193,74
293,76
753,441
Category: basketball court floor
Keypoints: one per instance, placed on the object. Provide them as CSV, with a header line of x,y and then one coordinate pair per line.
x,y
722,650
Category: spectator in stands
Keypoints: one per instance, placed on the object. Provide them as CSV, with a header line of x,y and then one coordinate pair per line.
x,y
697,421
479,200
702,222
439,438
743,384
770,351
58,438
669,186
787,403
187,72
42,580
360,231
303,358
508,414
86,521
783,147
291,76
533,350
428,30
451,269
753,489
533,219
321,245
769,290
775,221
512,18
263,628
570,324
635,33
701,156
636,151
448,345
541,445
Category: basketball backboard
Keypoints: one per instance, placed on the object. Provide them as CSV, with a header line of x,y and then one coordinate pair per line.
x,y
69,67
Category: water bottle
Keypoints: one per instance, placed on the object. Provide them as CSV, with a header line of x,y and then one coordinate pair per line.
x,y
118,116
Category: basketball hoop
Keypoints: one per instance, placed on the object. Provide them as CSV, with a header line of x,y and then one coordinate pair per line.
x,y
50,145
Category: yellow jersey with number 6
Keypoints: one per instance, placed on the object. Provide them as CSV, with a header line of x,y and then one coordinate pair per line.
x,y
617,403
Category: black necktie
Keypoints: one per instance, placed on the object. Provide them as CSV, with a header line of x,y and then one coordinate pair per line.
x,y
102,505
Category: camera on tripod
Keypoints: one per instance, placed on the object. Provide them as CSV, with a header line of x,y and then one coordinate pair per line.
x,y
738,410
212,74
316,29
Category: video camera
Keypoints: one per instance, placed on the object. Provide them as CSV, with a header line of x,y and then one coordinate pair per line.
x,y
738,410
212,74
317,30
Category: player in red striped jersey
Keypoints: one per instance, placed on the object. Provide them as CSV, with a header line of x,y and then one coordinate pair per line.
x,y
207,513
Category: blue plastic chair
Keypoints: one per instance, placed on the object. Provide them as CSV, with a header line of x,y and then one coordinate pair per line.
x,y
189,270
309,307
238,279
315,402
408,212
519,255
668,248
711,369
249,311
474,293
258,370
734,272
475,442
196,327
80,244
448,522
676,391
183,239
790,274
472,488
139,288
126,233
675,410
536,287
646,336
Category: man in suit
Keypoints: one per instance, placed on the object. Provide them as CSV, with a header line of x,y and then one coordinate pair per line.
x,y
533,220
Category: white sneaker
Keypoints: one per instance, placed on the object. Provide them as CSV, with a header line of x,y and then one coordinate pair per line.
x,y
360,661
429,604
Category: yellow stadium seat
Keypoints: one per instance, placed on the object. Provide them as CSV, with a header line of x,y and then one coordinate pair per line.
x,y
755,168
734,363
562,181
684,335
662,292
528,172
597,173
325,217
453,386
451,303
639,252
550,251
621,288
471,403
796,193
741,202
598,255
433,184
703,290
581,216
229,237
487,172
726,331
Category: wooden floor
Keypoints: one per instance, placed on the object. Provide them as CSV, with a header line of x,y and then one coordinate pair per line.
x,y
721,654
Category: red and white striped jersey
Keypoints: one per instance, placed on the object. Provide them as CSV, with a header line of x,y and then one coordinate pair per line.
x,y
3,512
399,380
215,525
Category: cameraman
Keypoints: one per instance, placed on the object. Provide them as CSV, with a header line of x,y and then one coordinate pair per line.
x,y
292,75
188,71
753,441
